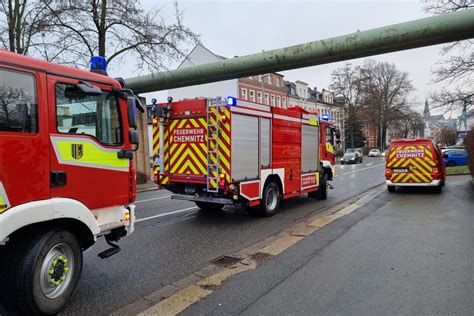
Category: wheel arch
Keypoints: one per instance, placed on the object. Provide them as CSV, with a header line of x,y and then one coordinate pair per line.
x,y
59,212
274,178
326,167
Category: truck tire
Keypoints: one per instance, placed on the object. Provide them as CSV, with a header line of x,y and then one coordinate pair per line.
x,y
438,188
42,272
270,200
391,188
322,192
212,207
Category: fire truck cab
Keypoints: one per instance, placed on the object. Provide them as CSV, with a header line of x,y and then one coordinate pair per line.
x,y
66,176
226,151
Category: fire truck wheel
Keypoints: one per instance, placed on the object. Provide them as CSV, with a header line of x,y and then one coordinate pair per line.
x,y
213,207
271,200
391,188
44,272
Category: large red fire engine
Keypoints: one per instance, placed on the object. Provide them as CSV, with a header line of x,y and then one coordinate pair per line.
x,y
66,176
227,151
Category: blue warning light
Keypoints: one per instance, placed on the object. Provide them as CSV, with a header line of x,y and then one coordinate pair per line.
x,y
231,101
325,117
98,64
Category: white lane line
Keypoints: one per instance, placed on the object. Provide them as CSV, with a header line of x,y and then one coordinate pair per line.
x,y
153,199
369,164
358,170
166,214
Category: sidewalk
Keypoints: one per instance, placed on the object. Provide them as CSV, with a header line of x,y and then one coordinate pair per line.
x,y
148,186
404,253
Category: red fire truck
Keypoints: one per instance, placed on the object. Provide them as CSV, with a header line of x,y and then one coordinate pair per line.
x,y
66,142
226,151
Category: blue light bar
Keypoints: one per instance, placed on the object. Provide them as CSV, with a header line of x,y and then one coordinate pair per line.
x,y
325,117
231,101
98,64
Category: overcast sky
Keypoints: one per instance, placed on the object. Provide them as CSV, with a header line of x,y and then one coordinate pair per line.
x,y
236,27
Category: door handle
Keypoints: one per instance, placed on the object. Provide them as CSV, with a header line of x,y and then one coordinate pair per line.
x,y
58,179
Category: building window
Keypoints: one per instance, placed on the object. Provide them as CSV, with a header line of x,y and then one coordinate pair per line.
x,y
273,100
278,101
259,97
270,79
284,102
260,78
252,95
278,81
265,98
243,93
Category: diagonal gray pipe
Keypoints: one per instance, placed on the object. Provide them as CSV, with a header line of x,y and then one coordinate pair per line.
x,y
418,33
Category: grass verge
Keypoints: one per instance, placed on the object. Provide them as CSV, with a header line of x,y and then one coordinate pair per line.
x,y
457,170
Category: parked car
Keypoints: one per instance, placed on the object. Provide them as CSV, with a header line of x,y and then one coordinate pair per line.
x,y
455,157
351,157
414,163
374,152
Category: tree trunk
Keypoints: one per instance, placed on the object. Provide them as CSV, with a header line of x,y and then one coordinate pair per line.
x,y
101,29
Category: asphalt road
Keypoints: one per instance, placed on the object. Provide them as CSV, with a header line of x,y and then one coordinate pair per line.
x,y
173,239
405,253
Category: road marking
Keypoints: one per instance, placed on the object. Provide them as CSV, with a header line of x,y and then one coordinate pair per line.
x,y
153,199
358,170
165,214
369,164
196,291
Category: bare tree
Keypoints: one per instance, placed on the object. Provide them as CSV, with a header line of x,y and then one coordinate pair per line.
x,y
446,136
347,81
456,69
410,124
120,30
384,95
21,23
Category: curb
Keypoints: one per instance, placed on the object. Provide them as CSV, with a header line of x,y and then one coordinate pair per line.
x,y
178,296
147,190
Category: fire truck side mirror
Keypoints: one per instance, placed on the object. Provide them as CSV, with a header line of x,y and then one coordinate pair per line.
x,y
132,112
133,136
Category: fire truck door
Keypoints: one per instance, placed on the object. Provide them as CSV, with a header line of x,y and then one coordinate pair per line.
x,y
86,135
24,143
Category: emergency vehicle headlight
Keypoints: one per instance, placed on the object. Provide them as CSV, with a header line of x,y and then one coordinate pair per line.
x,y
98,64
231,101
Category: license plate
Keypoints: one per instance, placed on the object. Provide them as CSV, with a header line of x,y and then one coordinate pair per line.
x,y
400,170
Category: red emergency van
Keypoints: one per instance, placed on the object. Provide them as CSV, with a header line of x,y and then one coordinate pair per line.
x,y
414,162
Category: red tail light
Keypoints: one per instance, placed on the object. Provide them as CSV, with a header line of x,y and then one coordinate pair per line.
x,y
435,172
388,173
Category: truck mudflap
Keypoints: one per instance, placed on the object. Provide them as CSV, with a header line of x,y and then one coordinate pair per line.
x,y
206,199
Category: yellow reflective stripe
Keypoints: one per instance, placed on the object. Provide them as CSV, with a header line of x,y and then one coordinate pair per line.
x,y
224,148
329,148
180,160
91,154
177,153
226,163
195,124
200,154
3,205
